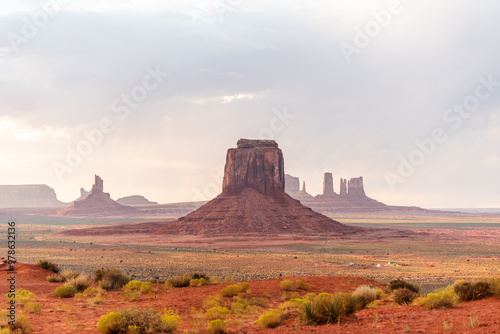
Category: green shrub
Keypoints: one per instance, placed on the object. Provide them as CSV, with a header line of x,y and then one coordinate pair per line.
x,y
110,278
404,296
21,324
286,285
217,312
32,307
199,281
401,284
365,294
179,281
22,297
48,265
234,290
467,291
217,326
132,285
135,321
110,323
138,286
301,285
65,291
325,308
270,319
170,321
443,298
55,278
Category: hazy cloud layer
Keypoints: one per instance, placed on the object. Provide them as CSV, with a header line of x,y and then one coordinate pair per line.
x,y
235,68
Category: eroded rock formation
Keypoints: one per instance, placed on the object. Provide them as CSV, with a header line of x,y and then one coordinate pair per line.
x,y
355,187
328,184
98,186
343,187
97,203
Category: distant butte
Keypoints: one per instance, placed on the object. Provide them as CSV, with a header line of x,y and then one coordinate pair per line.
x,y
97,203
351,198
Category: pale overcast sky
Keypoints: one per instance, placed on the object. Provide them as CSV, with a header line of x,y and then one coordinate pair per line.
x,y
343,86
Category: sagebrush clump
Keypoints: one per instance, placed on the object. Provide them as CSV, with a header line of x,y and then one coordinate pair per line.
x,y
110,278
65,291
48,265
443,298
138,321
467,291
270,319
325,308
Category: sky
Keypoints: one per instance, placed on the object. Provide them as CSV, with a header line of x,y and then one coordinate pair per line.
x,y
150,95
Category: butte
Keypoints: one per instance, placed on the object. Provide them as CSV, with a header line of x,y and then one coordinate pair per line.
x,y
97,203
253,200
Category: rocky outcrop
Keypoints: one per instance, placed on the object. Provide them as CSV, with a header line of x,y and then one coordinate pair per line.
x,y
98,186
135,200
28,196
343,187
291,184
97,204
355,187
328,184
303,196
83,194
256,164
253,200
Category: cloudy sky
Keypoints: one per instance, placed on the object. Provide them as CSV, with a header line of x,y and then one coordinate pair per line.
x,y
149,94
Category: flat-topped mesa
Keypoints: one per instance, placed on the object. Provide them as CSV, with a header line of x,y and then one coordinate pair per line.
x,y
355,187
256,164
328,184
98,186
343,187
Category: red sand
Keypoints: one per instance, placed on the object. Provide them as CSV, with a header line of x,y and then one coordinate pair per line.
x,y
69,315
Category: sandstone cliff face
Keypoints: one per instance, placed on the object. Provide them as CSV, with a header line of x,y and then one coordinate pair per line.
x,y
28,196
256,164
291,184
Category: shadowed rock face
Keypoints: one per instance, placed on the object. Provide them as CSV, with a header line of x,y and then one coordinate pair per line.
x,y
256,164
